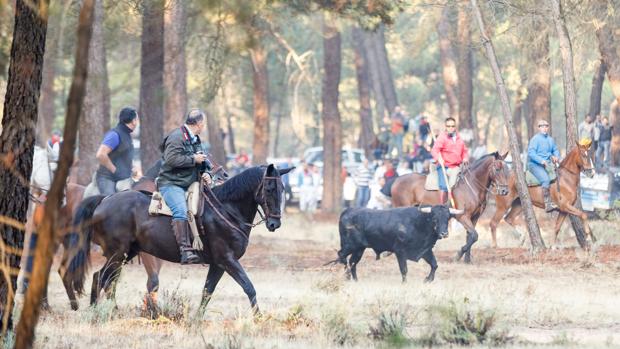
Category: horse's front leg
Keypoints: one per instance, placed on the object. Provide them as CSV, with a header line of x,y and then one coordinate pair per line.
x,y
213,277
566,207
472,237
236,271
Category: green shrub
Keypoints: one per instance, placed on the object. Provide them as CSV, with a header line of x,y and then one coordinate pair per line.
x,y
337,329
391,328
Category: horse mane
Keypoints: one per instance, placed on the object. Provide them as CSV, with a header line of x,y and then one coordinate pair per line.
x,y
568,156
482,159
237,187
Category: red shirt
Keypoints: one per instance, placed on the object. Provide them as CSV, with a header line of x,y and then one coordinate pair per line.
x,y
452,150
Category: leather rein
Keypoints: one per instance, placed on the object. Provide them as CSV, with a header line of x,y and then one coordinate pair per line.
x,y
478,185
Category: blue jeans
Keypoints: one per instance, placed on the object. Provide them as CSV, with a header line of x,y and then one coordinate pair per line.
x,y
540,173
362,196
106,185
441,179
602,153
396,142
175,199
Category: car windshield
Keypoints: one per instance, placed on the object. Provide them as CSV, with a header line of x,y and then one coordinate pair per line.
x,y
314,157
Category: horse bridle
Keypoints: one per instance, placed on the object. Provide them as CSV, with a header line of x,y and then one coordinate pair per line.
x,y
262,199
497,185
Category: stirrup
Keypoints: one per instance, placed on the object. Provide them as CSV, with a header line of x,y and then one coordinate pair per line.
x,y
189,257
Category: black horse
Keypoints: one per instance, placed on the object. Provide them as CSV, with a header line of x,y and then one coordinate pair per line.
x,y
121,225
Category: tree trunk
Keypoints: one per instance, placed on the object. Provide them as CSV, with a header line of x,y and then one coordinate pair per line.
x,y
215,138
385,72
528,210
517,116
367,133
152,82
614,120
260,145
46,244
93,110
375,76
17,140
539,96
597,89
175,67
448,65
464,68
106,119
332,126
570,102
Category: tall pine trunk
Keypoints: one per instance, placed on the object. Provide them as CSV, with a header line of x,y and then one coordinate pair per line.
x,y
94,102
363,88
175,66
332,126
539,89
570,103
465,67
448,65
528,210
49,227
260,145
385,72
152,82
17,140
597,89
375,76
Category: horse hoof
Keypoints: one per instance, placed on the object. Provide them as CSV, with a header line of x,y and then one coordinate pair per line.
x,y
45,306
428,280
458,256
74,305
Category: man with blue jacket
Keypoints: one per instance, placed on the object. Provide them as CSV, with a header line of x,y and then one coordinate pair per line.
x,y
542,152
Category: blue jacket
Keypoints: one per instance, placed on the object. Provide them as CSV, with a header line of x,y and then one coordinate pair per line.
x,y
541,148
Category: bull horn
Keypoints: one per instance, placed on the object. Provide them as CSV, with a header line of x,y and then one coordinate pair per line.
x,y
425,209
456,211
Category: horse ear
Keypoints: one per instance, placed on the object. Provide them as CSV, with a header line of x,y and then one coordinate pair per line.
x,y
286,170
502,157
270,169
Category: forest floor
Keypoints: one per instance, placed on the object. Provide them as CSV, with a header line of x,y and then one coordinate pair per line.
x,y
563,298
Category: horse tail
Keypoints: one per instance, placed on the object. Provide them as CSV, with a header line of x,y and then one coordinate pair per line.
x,y
76,258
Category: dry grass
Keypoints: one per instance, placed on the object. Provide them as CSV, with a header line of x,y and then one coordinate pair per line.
x,y
305,305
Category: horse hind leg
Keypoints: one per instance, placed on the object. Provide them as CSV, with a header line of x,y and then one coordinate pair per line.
x,y
106,278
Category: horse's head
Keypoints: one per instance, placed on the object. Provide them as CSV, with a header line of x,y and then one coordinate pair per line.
x,y
269,196
584,160
498,173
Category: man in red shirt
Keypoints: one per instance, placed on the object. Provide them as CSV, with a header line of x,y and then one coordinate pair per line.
x,y
449,151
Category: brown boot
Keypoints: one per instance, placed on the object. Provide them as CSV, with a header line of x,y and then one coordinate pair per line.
x,y
181,233
549,205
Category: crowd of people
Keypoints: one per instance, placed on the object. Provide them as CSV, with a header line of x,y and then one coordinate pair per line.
x,y
599,131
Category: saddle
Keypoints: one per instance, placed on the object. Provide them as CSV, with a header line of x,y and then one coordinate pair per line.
x,y
158,207
432,179
531,181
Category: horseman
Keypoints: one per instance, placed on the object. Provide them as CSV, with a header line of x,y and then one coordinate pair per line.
x,y
184,162
542,153
115,154
449,151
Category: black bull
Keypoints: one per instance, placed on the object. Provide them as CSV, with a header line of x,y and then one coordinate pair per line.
x,y
409,232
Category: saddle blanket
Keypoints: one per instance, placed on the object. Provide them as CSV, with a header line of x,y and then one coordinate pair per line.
x,y
531,181
432,179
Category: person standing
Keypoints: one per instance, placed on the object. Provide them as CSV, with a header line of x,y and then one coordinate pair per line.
x,y
586,128
362,177
450,151
604,143
542,152
308,182
115,154
397,132
184,162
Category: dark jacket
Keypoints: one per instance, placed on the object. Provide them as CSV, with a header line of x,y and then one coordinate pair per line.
x,y
605,134
121,157
179,167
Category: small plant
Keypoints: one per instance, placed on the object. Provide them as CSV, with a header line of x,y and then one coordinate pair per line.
x,y
391,328
102,312
174,306
295,317
329,284
338,329
563,339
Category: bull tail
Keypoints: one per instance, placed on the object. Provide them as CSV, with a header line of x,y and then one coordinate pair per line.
x,y
76,257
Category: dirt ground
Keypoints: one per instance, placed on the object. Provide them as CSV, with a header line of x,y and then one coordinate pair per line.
x,y
564,297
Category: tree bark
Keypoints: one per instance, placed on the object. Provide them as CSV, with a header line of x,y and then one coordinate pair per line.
x,y
46,244
464,68
17,140
597,89
332,126
367,133
385,72
539,96
93,110
448,65
375,76
260,145
614,120
517,117
528,210
152,82
175,67
215,139
570,102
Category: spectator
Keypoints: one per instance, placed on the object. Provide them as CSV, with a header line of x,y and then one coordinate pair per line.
x,y
397,132
348,190
604,143
242,161
586,128
308,182
424,129
596,133
362,178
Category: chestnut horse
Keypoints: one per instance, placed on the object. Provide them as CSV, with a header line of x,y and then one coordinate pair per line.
x,y
563,193
469,192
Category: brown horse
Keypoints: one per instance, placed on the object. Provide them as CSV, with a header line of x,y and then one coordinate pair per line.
x,y
563,193
469,192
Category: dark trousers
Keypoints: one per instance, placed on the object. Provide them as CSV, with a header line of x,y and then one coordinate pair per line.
x,y
106,185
